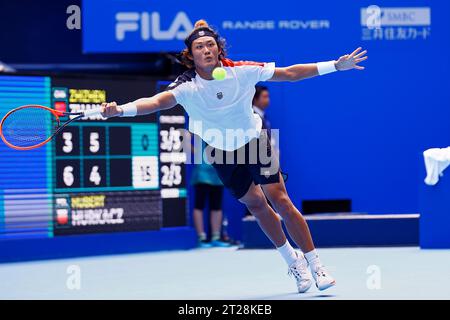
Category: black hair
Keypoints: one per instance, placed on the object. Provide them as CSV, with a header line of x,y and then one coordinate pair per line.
x,y
259,90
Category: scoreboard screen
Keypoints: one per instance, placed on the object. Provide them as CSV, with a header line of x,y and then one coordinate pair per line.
x,y
98,175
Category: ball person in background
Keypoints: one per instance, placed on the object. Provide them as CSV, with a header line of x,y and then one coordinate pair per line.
x,y
207,188
260,103
224,105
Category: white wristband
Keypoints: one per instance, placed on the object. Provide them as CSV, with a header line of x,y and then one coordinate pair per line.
x,y
129,109
326,67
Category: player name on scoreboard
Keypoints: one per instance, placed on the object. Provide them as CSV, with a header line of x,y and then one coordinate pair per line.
x,y
106,212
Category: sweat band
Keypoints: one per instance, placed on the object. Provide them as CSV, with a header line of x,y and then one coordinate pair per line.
x,y
326,67
200,32
129,109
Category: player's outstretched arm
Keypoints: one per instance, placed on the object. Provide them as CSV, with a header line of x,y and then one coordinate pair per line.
x,y
304,71
161,101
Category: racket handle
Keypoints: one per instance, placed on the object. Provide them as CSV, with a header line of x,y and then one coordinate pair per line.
x,y
92,112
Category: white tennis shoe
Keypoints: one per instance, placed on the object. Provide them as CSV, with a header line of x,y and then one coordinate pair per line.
x,y
323,279
299,269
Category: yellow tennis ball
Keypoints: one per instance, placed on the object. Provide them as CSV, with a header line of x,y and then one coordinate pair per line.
x,y
219,73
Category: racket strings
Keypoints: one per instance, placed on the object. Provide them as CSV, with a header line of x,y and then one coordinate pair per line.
x,y
28,127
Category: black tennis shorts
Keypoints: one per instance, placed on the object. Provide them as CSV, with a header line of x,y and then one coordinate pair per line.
x,y
253,162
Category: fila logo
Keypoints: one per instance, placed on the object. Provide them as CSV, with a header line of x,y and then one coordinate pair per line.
x,y
149,26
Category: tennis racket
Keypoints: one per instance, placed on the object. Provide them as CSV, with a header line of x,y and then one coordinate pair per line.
x,y
32,126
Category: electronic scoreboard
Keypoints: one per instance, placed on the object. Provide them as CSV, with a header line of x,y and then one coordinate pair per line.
x,y
98,175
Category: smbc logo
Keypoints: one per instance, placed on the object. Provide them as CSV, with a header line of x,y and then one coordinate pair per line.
x,y
149,26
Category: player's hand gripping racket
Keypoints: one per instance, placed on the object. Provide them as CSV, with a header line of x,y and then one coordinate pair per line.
x,y
32,126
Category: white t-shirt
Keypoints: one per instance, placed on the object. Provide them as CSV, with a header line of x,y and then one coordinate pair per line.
x,y
221,112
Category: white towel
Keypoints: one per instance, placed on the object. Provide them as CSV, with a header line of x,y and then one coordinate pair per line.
x,y
436,161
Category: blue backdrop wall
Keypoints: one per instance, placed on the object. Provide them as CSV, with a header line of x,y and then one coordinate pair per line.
x,y
359,135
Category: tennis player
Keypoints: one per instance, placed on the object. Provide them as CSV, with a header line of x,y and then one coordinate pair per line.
x,y
215,109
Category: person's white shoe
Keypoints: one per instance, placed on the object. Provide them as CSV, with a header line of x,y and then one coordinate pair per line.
x,y
323,279
299,269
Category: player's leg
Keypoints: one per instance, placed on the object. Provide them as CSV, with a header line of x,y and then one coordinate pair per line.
x,y
239,180
298,230
200,194
292,218
266,172
256,203
270,223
